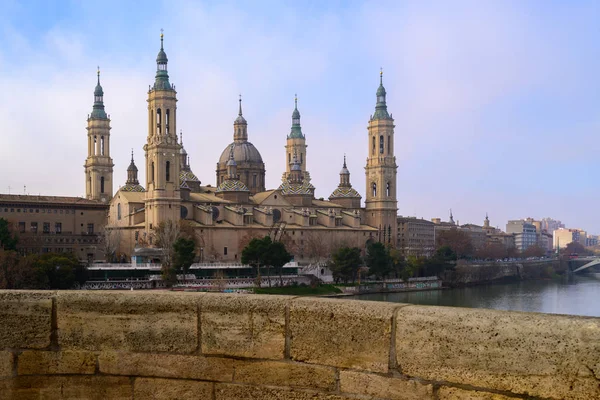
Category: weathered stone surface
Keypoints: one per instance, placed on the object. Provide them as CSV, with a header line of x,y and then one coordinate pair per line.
x,y
279,373
450,393
341,333
243,326
6,364
67,387
26,319
35,362
383,386
135,321
167,366
241,392
553,356
167,389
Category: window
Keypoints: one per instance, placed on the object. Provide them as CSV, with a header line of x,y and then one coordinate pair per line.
x,y
389,145
152,172
374,188
34,226
289,158
57,227
90,229
167,121
224,251
158,121
119,211
254,180
101,145
373,151
95,141
301,158
168,171
387,189
102,185
380,144
22,227
46,227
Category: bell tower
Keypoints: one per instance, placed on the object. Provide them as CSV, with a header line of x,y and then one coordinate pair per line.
x,y
381,204
98,164
296,145
162,149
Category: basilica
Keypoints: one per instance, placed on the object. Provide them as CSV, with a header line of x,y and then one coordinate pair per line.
x,y
226,214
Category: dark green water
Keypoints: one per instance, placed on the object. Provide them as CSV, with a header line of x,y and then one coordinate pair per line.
x,y
576,295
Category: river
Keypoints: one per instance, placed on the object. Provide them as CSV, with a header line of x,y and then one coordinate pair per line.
x,y
574,295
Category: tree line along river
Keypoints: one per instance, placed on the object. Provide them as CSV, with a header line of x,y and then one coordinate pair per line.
x,y
570,294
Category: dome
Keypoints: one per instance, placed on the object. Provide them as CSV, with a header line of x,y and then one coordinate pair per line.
x,y
244,152
231,185
344,192
98,90
161,58
130,187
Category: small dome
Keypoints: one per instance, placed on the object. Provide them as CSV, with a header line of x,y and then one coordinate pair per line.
x,y
161,58
240,120
132,188
132,167
344,192
243,152
344,171
381,90
182,151
98,91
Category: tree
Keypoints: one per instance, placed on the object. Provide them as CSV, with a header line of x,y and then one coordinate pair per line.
x,y
110,239
345,263
277,257
255,254
166,234
8,241
535,251
184,253
575,247
457,240
378,260
55,270
398,261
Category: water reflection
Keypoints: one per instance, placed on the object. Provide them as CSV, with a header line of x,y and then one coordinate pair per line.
x,y
575,295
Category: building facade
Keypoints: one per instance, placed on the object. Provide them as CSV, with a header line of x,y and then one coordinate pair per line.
x,y
416,236
525,234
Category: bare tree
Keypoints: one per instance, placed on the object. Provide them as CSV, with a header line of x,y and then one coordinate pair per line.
x,y
220,280
165,236
110,240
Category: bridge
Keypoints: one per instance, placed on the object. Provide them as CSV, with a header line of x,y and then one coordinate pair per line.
x,y
592,262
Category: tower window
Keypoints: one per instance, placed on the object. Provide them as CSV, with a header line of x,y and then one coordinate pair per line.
x,y
167,121
373,151
95,144
289,158
387,189
374,188
152,172
301,158
380,144
389,145
254,180
119,211
168,171
158,121
101,145
102,184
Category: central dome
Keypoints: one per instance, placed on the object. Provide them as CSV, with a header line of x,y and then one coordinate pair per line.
x,y
243,152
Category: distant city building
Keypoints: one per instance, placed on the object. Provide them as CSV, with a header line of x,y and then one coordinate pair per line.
x,y
591,241
550,225
416,237
563,236
525,233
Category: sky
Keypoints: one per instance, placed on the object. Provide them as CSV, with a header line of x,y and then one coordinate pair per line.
x,y
496,103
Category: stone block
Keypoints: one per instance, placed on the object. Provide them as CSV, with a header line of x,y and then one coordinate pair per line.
x,y
383,386
243,326
552,356
289,374
166,389
450,393
127,321
242,392
341,333
6,364
33,362
26,319
68,387
166,366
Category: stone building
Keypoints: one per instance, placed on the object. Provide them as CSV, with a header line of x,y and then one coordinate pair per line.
x,y
416,236
226,216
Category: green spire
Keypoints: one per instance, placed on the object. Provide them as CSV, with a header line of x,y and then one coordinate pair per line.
x,y
98,110
162,76
296,128
381,107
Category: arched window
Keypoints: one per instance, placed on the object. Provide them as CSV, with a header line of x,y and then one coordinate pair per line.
x,y
168,171
102,184
380,144
101,145
389,145
373,152
152,172
374,187
289,158
158,121
301,158
388,189
95,144
119,211
167,122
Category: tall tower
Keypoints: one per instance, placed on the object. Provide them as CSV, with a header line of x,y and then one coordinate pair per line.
x,y
381,204
163,199
98,164
296,144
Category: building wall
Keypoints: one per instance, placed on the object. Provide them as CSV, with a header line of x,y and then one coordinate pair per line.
x,y
416,237
275,347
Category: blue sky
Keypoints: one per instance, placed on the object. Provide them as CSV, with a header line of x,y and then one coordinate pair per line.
x,y
496,103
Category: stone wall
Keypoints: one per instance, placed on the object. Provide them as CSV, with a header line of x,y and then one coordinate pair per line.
x,y
471,274
166,345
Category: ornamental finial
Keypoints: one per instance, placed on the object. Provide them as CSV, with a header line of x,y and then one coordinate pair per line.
x,y
161,38
132,154
240,111
295,100
381,75
98,74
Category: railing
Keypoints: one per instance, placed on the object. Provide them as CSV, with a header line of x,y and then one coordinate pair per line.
x,y
156,266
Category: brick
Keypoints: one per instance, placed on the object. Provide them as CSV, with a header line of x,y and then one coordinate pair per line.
x,y
166,366
6,364
450,393
241,392
341,333
289,374
383,386
553,356
243,326
34,362
26,319
68,387
149,321
166,389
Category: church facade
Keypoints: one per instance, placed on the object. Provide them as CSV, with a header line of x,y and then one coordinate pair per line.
x,y
227,215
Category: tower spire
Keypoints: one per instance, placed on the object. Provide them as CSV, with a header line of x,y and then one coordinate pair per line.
x,y
296,128
381,106
162,76
240,111
98,109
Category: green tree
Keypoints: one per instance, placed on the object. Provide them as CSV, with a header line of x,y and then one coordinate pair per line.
x,y
184,254
345,263
277,257
378,260
255,254
8,241
54,270
398,261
